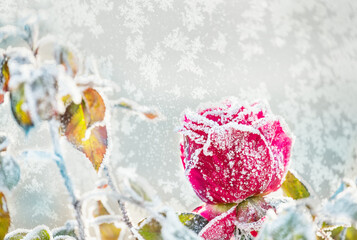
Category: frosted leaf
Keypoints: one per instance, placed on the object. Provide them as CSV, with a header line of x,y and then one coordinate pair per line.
x,y
39,233
18,234
136,186
173,229
21,63
68,230
291,222
4,216
9,172
106,225
293,187
343,207
147,112
170,226
149,229
193,221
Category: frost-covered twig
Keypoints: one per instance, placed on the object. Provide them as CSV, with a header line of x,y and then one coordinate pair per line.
x,y
121,204
67,181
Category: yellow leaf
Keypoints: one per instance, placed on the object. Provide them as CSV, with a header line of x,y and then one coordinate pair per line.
x,y
292,187
76,122
95,107
5,77
108,231
22,117
4,216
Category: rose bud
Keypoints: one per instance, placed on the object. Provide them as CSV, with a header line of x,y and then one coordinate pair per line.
x,y
234,151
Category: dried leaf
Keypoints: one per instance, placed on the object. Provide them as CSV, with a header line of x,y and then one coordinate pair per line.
x,y
18,103
108,231
77,126
4,216
1,98
292,187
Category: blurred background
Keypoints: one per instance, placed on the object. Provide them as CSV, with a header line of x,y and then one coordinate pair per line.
x,y
301,56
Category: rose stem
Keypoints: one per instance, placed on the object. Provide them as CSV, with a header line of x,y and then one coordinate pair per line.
x,y
67,181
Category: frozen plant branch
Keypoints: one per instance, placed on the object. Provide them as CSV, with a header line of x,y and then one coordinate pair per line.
x,y
67,181
121,204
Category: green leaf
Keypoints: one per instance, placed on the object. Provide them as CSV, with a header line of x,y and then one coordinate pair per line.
x,y
193,221
4,216
150,229
39,233
292,187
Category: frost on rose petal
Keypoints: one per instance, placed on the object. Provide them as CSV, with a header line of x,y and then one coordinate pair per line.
x,y
221,227
234,151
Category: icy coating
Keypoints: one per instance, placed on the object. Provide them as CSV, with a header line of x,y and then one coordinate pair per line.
x,y
234,151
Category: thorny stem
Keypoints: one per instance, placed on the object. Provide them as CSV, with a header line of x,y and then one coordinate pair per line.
x,y
121,204
67,181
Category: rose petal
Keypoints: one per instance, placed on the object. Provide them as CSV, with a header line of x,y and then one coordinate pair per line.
x,y
236,165
221,227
